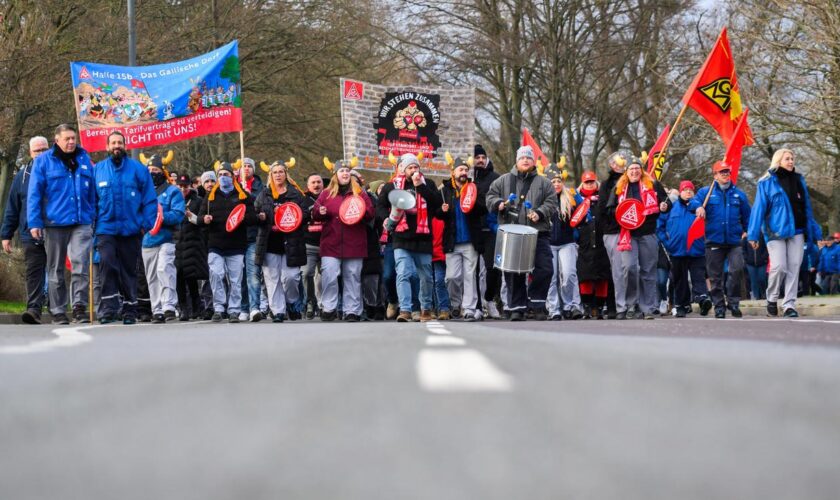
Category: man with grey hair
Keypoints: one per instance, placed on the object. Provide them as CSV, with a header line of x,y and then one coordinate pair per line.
x,y
61,206
14,219
521,196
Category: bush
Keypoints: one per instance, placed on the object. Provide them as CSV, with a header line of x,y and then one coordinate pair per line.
x,y
12,278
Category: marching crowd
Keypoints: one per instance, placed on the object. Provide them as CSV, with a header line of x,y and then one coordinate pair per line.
x,y
229,247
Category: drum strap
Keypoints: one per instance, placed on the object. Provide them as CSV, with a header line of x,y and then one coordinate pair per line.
x,y
523,192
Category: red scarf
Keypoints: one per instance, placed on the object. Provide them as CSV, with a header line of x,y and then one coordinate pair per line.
x,y
420,208
651,206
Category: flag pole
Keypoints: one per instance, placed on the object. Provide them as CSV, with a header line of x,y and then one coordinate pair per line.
x,y
91,305
242,156
670,135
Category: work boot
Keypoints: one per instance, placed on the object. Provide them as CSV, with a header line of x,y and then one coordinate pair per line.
x,y
80,314
426,315
31,317
392,311
772,309
404,317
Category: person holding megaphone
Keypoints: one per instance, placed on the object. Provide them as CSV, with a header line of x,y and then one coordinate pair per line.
x,y
411,232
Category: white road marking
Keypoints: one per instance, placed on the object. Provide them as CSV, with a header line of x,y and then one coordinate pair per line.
x,y
437,328
443,341
66,337
460,370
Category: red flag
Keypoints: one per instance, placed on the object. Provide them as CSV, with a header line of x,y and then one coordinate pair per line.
x,y
527,140
714,92
137,84
656,157
733,150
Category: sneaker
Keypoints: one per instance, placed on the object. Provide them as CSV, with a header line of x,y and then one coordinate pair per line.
x,y
158,319
392,311
720,313
328,315
256,316
279,318
621,315
638,315
517,316
184,317
352,318
736,312
791,313
705,307
208,315
404,317
663,307
292,314
772,309
60,319
680,312
216,318
444,316
169,315
310,311
104,320
426,315
576,314
235,318
555,317
456,313
493,311
243,316
31,317
129,320
145,318
80,315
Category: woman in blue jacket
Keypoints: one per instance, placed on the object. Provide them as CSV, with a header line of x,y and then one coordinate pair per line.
x,y
672,229
782,210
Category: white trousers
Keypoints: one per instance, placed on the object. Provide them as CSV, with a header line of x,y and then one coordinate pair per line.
x,y
230,267
567,294
785,258
350,271
159,263
460,277
281,282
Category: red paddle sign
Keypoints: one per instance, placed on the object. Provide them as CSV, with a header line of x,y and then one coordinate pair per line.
x,y
352,210
469,195
288,217
630,214
158,221
580,213
237,215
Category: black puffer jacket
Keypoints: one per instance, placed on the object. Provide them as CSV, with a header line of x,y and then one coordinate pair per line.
x,y
191,244
220,207
294,243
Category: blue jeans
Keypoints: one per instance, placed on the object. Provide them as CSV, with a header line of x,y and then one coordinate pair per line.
x,y
441,292
758,281
410,264
252,285
389,274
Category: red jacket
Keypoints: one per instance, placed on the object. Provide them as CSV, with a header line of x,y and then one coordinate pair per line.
x,y
438,228
337,238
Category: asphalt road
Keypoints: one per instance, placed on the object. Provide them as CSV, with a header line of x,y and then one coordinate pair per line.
x,y
664,409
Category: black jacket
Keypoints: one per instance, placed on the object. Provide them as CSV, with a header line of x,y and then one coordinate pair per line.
x,y
593,263
649,225
608,224
191,244
294,243
409,239
218,238
474,218
483,178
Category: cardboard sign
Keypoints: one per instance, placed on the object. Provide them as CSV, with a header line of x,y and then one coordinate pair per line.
x,y
580,213
158,221
469,196
288,217
630,214
352,210
237,215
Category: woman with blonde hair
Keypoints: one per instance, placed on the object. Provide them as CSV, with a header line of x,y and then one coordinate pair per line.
x,y
634,257
782,211
564,254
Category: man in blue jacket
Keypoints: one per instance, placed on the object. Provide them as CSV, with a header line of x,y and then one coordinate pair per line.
x,y
126,208
14,218
672,230
61,206
159,249
727,216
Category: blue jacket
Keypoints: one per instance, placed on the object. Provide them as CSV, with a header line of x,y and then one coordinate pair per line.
x,y
14,218
672,230
57,196
727,214
829,259
773,214
126,198
174,208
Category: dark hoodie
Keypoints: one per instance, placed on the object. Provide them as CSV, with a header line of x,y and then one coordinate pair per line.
x,y
483,177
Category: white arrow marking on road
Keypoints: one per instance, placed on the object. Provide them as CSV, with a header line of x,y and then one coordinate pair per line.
x,y
67,337
460,370
438,341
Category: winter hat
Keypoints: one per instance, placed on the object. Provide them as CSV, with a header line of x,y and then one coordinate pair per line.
x,y
686,185
524,152
479,150
208,176
406,161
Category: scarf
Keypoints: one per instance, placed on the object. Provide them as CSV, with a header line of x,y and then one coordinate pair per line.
x,y
226,184
420,208
651,206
